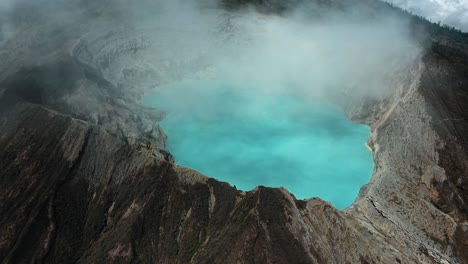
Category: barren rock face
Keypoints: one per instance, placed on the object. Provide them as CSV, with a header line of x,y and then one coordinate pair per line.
x,y
85,176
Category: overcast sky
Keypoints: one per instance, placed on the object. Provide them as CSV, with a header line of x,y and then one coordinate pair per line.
x,y
451,12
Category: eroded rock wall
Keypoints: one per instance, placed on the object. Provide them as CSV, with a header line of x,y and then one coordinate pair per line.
x,y
85,177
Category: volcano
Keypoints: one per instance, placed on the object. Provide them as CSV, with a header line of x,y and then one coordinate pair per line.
x,y
87,169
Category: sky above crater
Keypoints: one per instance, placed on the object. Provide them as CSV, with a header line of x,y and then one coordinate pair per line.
x,y
450,12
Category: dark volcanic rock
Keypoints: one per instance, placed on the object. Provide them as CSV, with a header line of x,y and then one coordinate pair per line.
x,y
85,177
67,200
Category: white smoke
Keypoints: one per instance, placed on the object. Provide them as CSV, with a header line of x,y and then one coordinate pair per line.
x,y
318,57
298,51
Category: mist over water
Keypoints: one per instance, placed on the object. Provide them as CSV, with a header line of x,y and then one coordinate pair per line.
x,y
266,121
247,138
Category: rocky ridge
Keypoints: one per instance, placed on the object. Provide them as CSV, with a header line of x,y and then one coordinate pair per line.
x,y
85,176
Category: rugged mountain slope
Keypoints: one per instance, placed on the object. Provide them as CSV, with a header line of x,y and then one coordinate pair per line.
x,y
85,177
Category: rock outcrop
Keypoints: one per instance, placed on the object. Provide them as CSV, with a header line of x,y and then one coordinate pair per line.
x,y
85,176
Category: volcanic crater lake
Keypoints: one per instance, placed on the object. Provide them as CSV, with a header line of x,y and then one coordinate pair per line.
x,y
249,137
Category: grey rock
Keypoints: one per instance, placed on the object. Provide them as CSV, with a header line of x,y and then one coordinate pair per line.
x,y
85,176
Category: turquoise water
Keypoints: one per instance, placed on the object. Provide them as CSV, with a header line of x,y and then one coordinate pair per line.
x,y
248,137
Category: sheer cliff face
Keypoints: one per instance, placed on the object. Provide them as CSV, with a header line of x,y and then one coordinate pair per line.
x,y
85,177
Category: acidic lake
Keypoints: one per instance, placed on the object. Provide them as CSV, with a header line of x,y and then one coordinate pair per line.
x,y
250,137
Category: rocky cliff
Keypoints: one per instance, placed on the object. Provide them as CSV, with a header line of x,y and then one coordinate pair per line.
x,y
85,176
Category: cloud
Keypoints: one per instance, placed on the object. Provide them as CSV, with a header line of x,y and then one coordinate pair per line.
x,y
325,54
318,58
451,12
